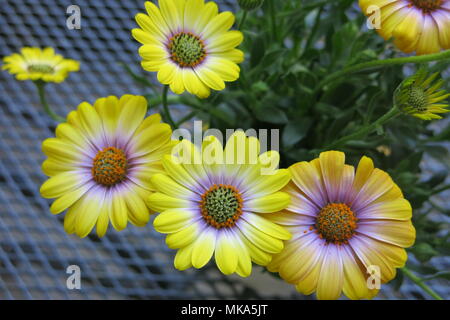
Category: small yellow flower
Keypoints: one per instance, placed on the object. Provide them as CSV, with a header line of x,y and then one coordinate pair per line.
x,y
189,44
101,161
36,64
418,96
345,225
422,26
215,202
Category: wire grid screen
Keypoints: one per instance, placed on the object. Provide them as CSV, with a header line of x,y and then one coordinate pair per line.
x,y
34,249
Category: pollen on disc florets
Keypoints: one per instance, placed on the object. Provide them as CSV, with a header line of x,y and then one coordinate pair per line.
x,y
221,206
186,49
109,166
336,223
417,98
42,68
427,6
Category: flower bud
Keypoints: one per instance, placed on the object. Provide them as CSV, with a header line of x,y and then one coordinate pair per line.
x,y
418,96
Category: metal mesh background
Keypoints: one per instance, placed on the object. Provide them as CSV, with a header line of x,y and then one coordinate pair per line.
x,y
34,249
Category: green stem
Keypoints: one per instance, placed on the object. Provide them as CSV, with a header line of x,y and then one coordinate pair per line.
x,y
242,21
365,130
41,91
166,107
273,20
382,63
420,283
314,29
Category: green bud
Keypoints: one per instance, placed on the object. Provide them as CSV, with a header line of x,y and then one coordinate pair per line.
x,y
248,5
419,96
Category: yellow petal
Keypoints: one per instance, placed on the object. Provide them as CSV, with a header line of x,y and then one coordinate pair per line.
x,y
406,34
160,202
204,248
139,214
209,78
266,226
331,279
62,183
225,253
133,109
183,237
399,233
183,258
227,41
68,199
218,25
355,284
429,39
258,238
194,85
204,16
88,212
167,185
332,167
270,203
398,209
119,212
174,220
151,139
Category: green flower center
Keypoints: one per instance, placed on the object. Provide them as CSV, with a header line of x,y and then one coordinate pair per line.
x,y
186,49
336,223
221,206
110,166
417,98
427,6
41,68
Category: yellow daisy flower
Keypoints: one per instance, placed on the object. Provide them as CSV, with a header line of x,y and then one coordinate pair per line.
x,y
214,202
101,161
188,43
418,96
344,224
36,64
422,26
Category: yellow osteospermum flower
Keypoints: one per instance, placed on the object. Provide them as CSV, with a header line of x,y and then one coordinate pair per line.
x,y
101,161
36,64
189,44
215,202
345,226
418,96
422,26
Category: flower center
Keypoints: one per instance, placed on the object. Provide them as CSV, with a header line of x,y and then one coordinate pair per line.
x,y
41,68
186,49
427,6
336,223
221,206
110,166
418,98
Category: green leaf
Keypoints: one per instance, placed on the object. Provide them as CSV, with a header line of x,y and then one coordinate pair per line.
x,y
271,115
295,131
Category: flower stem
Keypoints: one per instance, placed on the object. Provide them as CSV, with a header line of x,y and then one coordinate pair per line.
x,y
365,130
382,63
166,107
242,21
420,283
273,19
41,91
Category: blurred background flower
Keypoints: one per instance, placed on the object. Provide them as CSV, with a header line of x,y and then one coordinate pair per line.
x,y
39,64
421,26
